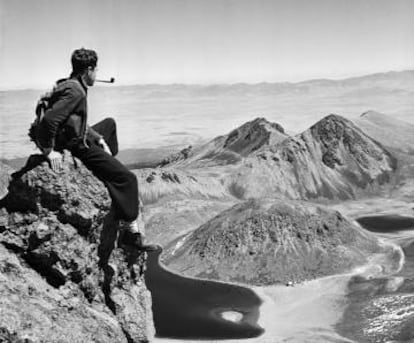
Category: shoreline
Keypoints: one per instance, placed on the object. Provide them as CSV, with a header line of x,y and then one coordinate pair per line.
x,y
189,307
370,294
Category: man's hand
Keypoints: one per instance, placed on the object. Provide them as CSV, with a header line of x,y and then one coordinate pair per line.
x,y
104,146
55,159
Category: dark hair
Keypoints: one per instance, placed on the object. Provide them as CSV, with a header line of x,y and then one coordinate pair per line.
x,y
82,59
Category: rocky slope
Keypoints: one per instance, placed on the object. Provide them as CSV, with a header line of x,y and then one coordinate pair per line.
x,y
390,132
169,219
178,184
64,275
177,201
266,241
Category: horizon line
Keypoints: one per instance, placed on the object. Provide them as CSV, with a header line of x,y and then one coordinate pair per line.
x,y
35,88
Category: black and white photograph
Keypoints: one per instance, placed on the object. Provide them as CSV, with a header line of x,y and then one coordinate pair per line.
x,y
207,171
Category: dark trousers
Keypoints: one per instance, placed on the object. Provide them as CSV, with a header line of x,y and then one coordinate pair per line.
x,y
121,183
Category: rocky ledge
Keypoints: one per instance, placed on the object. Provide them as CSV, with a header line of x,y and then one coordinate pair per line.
x,y
64,276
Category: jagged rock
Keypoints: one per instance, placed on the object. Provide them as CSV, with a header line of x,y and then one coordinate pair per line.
x,y
59,225
33,311
267,241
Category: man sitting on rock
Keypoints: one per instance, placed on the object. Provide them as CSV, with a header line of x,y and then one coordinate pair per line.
x,y
64,126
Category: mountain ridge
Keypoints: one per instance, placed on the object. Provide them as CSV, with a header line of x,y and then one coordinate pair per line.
x,y
227,84
249,137
332,159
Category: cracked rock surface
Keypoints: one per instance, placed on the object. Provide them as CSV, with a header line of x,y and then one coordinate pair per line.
x,y
64,277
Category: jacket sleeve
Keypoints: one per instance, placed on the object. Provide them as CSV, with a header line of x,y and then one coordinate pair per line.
x,y
57,114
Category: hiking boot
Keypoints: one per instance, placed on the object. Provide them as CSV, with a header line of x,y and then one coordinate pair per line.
x,y
132,237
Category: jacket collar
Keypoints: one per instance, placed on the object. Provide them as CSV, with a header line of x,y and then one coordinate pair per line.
x,y
79,79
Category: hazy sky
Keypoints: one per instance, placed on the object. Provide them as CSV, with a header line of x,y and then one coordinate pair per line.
x,y
205,41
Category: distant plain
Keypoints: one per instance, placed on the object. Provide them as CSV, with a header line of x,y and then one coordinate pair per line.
x,y
175,116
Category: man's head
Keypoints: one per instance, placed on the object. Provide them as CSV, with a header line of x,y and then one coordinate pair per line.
x,y
84,63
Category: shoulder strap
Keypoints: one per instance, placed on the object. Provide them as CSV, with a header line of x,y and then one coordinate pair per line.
x,y
71,81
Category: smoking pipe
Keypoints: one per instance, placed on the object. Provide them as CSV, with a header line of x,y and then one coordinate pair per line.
x,y
111,80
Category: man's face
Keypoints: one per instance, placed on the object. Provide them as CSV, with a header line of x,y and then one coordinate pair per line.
x,y
91,76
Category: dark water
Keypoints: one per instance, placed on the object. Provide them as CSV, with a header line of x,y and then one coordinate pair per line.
x,y
190,309
381,309
387,223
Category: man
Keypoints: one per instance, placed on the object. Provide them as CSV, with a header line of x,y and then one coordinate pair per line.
x,y
64,126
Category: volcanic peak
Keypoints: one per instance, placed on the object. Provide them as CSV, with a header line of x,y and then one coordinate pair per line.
x,y
231,148
335,133
268,240
253,135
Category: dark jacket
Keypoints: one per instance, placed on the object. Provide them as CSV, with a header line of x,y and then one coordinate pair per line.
x,y
64,124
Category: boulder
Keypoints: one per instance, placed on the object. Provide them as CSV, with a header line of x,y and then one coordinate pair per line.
x,y
65,275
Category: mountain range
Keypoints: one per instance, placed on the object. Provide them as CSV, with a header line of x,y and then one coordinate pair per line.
x,y
399,81
332,159
207,203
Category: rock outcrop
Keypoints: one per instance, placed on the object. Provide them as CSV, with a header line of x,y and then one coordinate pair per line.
x,y
269,241
65,276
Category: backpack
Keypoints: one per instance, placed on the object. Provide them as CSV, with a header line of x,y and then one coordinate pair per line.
x,y
41,107
44,103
